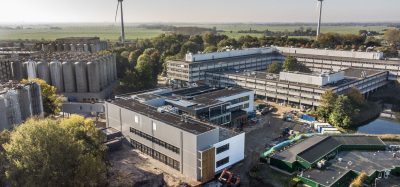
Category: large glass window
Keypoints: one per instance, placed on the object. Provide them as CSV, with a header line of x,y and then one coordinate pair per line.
x,y
222,161
155,140
222,148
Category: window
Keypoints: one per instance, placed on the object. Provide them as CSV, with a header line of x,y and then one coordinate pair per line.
x,y
136,119
222,148
156,155
222,162
155,140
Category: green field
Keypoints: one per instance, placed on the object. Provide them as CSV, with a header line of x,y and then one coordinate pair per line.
x,y
111,32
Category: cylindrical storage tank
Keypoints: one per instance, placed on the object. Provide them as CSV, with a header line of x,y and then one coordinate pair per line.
x,y
24,99
17,70
103,73
108,68
81,77
93,48
93,77
25,70
43,71
3,114
31,70
36,100
69,77
67,47
115,67
56,76
98,67
73,47
85,47
59,47
14,117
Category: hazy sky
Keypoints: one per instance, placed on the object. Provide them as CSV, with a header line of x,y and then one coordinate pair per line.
x,y
27,11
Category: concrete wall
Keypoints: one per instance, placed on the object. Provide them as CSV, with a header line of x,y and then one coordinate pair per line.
x,y
235,152
321,79
83,108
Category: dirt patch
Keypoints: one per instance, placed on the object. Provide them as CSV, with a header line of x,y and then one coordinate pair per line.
x,y
131,168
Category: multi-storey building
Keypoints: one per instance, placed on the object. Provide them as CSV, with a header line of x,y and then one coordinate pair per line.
x,y
188,146
320,60
219,106
300,88
194,67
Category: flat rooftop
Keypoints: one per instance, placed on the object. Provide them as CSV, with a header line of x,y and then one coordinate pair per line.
x,y
224,60
192,126
350,75
358,161
344,59
317,151
289,155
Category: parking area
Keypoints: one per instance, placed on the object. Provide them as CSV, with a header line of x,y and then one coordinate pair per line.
x,y
267,132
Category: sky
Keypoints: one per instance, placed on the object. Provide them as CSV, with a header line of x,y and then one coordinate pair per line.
x,y
197,11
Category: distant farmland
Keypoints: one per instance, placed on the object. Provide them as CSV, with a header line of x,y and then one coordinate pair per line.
x,y
112,32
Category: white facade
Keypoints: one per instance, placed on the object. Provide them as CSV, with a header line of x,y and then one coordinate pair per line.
x,y
333,53
319,79
249,102
227,54
235,151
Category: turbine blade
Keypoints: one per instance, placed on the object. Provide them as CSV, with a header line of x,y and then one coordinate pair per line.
x,y
116,12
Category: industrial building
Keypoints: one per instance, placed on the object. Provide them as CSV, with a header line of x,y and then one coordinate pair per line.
x,y
191,147
194,67
300,88
325,161
219,106
77,76
322,60
18,103
76,44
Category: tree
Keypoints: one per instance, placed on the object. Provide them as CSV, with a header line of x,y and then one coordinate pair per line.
x,y
327,104
190,47
210,49
341,115
392,36
356,97
51,101
4,138
291,64
48,152
275,67
230,42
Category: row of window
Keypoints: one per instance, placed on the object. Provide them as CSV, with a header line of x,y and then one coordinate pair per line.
x,y
239,100
222,162
156,155
155,140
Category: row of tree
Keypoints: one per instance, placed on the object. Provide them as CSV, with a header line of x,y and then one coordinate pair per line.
x,y
290,64
298,32
140,63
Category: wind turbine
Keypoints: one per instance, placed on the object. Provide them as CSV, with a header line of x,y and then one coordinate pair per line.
x,y
319,18
122,21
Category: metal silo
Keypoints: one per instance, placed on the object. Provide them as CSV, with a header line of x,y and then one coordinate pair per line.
x,y
81,77
43,71
17,70
36,99
115,66
31,70
108,70
86,47
56,76
24,99
93,77
12,104
69,77
73,47
3,113
103,75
